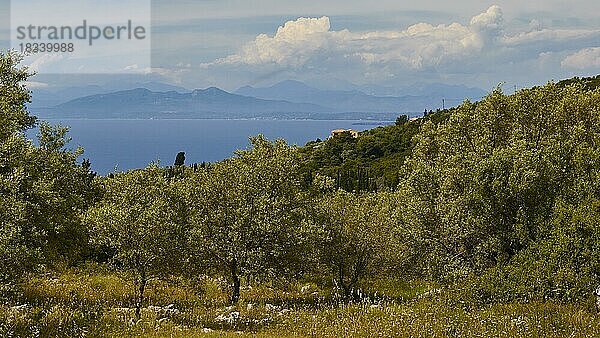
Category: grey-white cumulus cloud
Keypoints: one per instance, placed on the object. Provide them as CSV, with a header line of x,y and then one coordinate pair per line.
x,y
309,44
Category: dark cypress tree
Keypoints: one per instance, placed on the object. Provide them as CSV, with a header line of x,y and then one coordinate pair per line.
x,y
180,159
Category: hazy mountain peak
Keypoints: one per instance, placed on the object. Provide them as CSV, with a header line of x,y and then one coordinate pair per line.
x,y
292,84
137,91
211,91
356,100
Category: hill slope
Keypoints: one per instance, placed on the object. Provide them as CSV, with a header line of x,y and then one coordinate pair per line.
x,y
372,160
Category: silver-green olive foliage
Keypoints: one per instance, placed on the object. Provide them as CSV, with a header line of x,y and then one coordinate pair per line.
x,y
142,217
482,186
356,236
563,266
43,191
247,211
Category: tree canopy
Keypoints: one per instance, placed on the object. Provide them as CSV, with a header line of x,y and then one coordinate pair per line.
x,y
44,189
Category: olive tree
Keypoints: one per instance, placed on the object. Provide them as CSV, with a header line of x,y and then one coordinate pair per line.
x,y
43,189
482,186
247,211
14,96
142,217
356,236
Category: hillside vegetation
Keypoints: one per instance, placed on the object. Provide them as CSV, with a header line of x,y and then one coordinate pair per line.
x,y
481,220
373,161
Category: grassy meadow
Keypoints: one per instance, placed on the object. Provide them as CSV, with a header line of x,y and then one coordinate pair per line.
x,y
96,302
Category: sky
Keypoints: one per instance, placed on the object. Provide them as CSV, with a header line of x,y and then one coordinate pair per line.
x,y
381,44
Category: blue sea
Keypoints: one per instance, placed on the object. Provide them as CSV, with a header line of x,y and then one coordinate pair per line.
x,y
127,144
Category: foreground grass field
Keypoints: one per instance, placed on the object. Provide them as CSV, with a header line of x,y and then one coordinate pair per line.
x,y
97,303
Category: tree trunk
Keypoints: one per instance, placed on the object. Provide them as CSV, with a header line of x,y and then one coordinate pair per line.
x,y
346,289
235,296
348,283
140,296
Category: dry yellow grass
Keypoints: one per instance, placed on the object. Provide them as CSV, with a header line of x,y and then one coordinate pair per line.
x,y
87,303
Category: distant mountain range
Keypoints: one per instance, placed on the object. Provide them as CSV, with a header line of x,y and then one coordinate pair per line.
x,y
358,101
48,98
202,103
288,99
